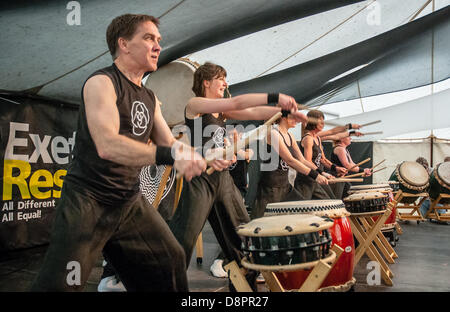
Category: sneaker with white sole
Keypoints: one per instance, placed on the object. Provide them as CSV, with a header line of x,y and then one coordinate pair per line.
x,y
111,284
217,269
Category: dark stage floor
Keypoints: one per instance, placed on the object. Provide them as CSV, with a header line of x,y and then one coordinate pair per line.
x,y
423,264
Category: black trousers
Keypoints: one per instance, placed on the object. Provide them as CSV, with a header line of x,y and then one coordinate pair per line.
x,y
272,194
133,236
217,199
310,189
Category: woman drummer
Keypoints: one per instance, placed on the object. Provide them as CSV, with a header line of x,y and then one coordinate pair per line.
x,y
341,157
274,185
215,197
311,146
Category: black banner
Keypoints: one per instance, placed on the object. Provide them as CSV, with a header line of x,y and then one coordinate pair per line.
x,y
37,139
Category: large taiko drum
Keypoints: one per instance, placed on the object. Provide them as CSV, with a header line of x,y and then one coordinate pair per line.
x,y
365,202
286,241
341,234
440,182
383,188
172,84
412,177
394,185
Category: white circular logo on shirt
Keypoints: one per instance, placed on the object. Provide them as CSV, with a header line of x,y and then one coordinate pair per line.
x,y
139,118
284,165
218,136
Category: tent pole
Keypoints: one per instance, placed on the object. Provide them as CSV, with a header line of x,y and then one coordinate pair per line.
x,y
431,149
421,9
432,88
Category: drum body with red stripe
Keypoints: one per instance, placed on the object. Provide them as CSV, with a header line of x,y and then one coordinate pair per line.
x,y
342,273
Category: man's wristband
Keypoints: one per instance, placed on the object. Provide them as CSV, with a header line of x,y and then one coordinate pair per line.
x,y
333,167
361,170
319,170
313,174
163,156
349,126
285,113
351,132
273,98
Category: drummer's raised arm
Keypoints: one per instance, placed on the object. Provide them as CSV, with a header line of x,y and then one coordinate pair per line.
x,y
338,130
203,105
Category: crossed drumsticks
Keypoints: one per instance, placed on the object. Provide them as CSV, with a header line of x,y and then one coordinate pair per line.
x,y
362,173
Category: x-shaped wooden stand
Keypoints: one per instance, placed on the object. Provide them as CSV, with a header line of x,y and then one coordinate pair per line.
x,y
321,270
414,214
433,212
368,233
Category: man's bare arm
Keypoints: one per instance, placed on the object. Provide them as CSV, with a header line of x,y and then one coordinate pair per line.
x,y
104,123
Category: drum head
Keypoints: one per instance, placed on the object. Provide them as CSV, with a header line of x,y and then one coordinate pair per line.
x,y
172,85
366,202
413,173
364,196
442,172
382,188
369,186
150,178
328,207
284,225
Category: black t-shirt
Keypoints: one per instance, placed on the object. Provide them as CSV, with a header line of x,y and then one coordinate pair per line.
x,y
105,180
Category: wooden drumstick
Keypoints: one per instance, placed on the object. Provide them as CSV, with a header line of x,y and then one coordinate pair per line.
x,y
372,133
312,119
359,164
354,175
337,180
330,123
379,170
370,123
245,142
378,164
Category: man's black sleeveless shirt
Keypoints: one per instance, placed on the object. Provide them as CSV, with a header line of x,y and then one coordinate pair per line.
x,y
107,181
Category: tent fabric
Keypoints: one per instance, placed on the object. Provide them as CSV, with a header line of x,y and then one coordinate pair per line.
x,y
389,60
296,42
395,152
45,46
233,19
